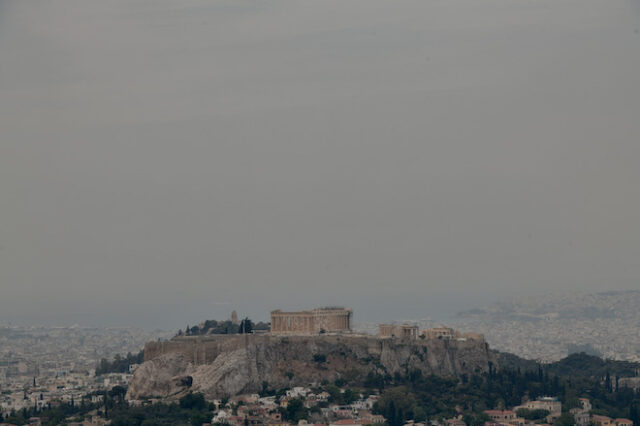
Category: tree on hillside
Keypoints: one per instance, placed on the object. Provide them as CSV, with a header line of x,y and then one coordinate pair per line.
x,y
634,413
296,410
193,401
246,326
566,419
119,364
396,404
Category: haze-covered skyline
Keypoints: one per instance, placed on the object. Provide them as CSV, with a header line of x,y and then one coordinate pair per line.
x,y
163,162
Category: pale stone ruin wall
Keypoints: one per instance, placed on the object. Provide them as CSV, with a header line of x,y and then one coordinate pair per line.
x,y
401,331
330,320
386,331
202,349
448,333
195,349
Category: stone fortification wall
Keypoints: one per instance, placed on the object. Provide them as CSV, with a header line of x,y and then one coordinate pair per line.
x,y
199,350
232,364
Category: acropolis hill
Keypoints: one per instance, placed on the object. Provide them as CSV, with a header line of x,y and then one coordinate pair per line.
x,y
222,365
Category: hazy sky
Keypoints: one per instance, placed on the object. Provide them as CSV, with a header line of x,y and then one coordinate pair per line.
x,y
166,161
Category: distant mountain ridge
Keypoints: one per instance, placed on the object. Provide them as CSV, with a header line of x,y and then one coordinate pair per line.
x,y
607,304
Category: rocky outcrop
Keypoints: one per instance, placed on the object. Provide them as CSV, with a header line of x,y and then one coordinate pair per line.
x,y
226,365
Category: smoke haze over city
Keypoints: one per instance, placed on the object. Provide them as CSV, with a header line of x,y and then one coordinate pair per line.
x,y
165,162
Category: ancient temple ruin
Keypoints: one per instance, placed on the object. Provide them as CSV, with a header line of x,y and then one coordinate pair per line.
x,y
315,321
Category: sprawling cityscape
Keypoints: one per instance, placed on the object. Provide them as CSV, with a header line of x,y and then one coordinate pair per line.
x,y
45,368
319,213
41,365
548,328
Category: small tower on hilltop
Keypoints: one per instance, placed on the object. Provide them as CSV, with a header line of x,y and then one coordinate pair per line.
x,y
234,318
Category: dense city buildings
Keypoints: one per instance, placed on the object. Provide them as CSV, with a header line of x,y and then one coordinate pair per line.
x,y
552,405
47,365
504,417
549,327
44,367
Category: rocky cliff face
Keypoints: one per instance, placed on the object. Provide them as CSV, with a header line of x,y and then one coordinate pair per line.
x,y
226,365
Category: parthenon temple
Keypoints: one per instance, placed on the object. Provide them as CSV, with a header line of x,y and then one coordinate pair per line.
x,y
315,321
